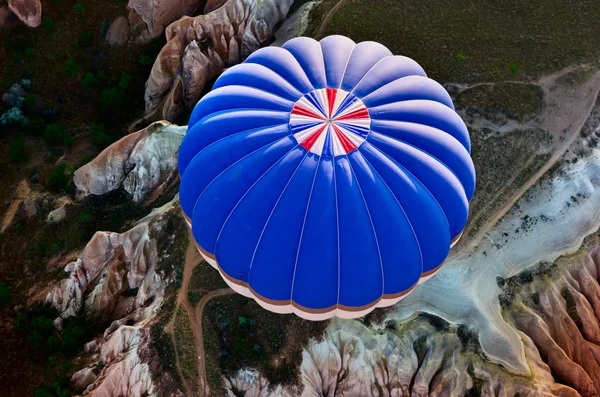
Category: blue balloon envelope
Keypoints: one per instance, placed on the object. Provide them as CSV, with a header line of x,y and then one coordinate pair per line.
x,y
326,178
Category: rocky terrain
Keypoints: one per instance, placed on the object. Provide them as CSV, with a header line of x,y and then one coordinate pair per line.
x,y
515,311
199,48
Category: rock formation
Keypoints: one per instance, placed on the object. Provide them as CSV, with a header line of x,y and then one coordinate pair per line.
x,y
199,48
111,264
122,277
144,163
158,14
28,11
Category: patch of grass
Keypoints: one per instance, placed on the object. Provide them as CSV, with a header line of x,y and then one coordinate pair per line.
x,y
249,336
512,100
16,150
59,179
530,35
5,292
71,68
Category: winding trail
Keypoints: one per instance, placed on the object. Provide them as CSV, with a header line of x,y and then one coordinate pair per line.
x,y
576,126
327,18
192,259
197,326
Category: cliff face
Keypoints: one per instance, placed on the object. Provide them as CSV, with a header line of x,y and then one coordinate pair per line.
x,y
123,277
144,163
559,311
199,48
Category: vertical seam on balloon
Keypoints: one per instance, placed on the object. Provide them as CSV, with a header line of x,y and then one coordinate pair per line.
x,y
399,205
252,61
416,179
372,225
271,213
432,195
246,193
227,168
302,230
365,75
346,67
428,153
337,226
324,76
301,68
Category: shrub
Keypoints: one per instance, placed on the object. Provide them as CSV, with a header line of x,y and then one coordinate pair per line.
x,y
513,68
111,99
460,56
86,39
18,226
13,116
35,125
16,150
68,140
124,82
89,82
5,292
54,134
58,179
79,8
144,60
53,343
86,217
71,68
28,52
72,335
48,25
99,136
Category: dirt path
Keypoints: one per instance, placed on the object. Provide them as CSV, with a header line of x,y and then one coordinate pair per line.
x,y
587,103
192,259
197,327
323,25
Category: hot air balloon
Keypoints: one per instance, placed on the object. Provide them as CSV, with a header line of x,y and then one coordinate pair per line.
x,y
326,178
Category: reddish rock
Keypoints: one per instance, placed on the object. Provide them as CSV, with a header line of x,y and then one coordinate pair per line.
x,y
28,11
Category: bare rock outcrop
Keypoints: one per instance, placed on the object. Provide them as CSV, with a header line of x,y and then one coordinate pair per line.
x,y
157,14
28,11
559,311
110,265
199,48
144,163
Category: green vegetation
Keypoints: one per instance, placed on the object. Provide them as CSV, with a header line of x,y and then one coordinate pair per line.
x,y
528,35
511,100
59,179
86,217
54,134
86,40
48,25
89,82
79,8
99,135
239,334
71,68
5,292
16,150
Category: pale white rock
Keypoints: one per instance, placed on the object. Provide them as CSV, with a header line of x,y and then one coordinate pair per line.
x,y
118,33
144,163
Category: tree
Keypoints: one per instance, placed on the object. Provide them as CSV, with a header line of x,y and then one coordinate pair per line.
x,y
54,134
89,82
71,68
5,292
